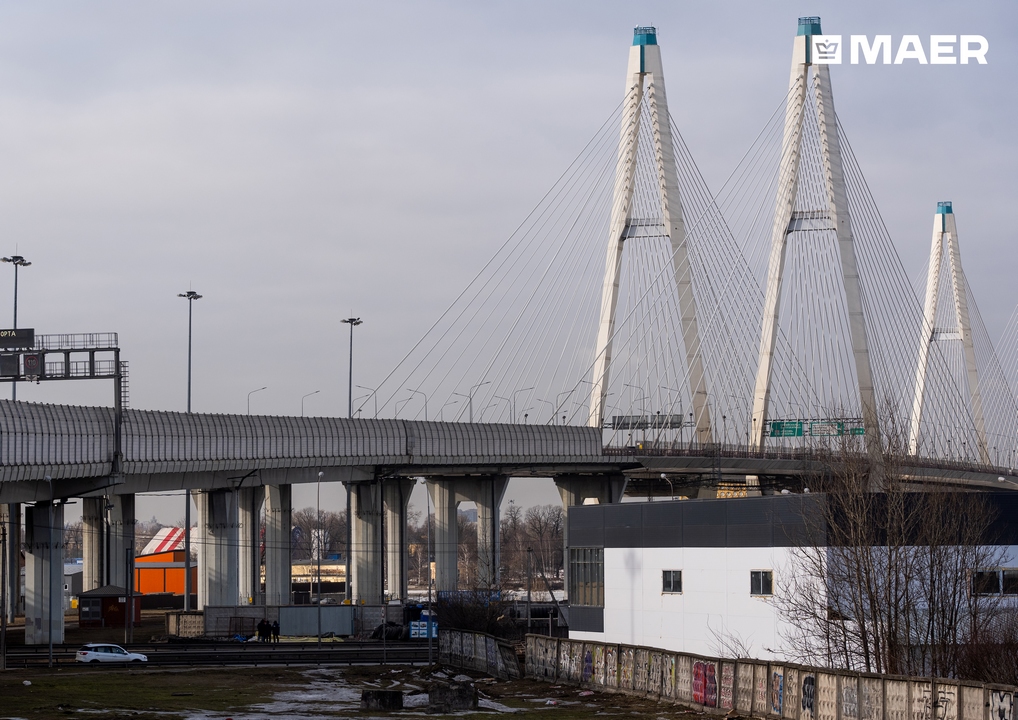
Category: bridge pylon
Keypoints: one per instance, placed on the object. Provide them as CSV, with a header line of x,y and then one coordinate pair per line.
x,y
833,216
645,75
945,232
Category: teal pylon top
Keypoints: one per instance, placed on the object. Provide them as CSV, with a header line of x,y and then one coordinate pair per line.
x,y
645,36
944,208
809,26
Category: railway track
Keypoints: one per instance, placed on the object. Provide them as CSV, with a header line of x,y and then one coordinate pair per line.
x,y
225,654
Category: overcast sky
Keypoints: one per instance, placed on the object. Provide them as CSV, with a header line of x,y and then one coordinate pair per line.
x,y
299,162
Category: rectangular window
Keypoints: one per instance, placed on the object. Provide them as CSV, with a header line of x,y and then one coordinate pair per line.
x,y
1010,584
586,577
986,582
671,581
761,582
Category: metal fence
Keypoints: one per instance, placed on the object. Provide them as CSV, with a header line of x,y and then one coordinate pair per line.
x,y
478,651
762,689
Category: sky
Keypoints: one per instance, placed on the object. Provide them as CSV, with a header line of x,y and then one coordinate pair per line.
x,y
298,163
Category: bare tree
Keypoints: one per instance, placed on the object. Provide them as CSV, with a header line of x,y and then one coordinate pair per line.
x,y
883,582
544,524
314,532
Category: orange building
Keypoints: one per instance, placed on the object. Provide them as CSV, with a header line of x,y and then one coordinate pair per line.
x,y
162,572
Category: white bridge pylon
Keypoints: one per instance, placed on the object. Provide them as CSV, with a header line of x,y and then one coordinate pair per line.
x,y
835,215
945,231
645,75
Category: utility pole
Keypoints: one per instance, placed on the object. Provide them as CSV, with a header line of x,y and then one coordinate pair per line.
x,y
352,322
190,296
17,261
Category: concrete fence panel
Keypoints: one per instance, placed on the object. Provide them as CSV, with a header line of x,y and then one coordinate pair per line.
x,y
1001,704
684,679
611,666
761,690
744,687
896,700
791,707
626,667
871,698
776,690
849,693
640,670
826,696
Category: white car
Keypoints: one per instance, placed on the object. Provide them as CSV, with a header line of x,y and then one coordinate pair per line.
x,y
104,652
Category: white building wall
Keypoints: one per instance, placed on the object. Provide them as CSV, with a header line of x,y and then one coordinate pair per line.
x,y
714,606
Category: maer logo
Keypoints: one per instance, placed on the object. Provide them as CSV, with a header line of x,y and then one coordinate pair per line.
x,y
943,49
826,49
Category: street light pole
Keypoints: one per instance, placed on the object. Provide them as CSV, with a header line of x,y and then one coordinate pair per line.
x,y
470,398
425,402
249,397
352,322
190,296
17,261
305,397
374,394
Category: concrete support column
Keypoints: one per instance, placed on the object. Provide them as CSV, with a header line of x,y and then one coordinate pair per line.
x,y
396,498
278,514
366,553
446,539
44,573
575,490
249,556
121,537
487,494
218,579
93,529
10,515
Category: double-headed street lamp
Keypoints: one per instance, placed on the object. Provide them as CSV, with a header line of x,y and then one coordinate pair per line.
x,y
190,296
352,322
18,262
470,398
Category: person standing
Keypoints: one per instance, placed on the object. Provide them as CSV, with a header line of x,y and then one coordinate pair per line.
x,y
275,632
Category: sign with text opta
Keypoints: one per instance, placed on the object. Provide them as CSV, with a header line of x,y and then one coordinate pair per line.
x,y
20,338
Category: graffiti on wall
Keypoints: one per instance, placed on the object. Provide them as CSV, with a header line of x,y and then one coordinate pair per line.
x,y
726,689
849,702
777,691
588,665
611,666
626,668
928,709
705,683
1001,705
809,693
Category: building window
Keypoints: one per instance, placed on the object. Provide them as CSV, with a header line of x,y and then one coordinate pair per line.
x,y
761,582
586,577
671,581
999,581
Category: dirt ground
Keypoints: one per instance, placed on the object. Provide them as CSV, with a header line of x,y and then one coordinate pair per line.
x,y
273,693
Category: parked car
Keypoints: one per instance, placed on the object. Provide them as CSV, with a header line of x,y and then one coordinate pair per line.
x,y
105,652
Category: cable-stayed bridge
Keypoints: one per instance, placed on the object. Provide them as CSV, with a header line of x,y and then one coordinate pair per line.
x,y
637,333
772,316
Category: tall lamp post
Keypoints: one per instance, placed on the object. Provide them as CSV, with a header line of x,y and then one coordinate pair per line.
x,y
305,398
252,393
18,262
352,322
190,296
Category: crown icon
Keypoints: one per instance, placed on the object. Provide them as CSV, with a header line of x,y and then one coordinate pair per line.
x,y
827,50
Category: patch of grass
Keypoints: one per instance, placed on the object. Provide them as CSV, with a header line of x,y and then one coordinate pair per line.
x,y
61,692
